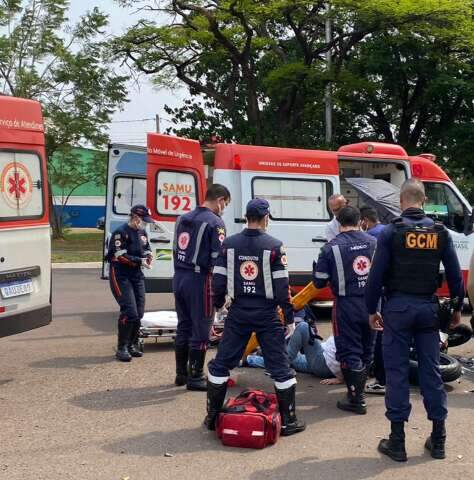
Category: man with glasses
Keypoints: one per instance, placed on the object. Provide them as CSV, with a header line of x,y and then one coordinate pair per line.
x,y
336,203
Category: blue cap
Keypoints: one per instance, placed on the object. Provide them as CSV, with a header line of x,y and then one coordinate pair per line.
x,y
143,212
258,207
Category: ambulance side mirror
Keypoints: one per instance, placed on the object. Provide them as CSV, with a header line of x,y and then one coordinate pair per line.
x,y
468,221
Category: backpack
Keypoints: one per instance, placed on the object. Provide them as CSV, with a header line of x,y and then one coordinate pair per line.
x,y
250,420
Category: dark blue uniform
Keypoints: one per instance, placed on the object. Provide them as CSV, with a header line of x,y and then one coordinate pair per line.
x,y
126,250
198,238
406,264
345,262
252,270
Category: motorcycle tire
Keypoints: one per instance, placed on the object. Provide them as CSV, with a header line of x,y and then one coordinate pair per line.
x,y
450,369
459,335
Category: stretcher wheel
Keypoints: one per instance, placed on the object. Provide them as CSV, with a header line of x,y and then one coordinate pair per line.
x,y
141,345
449,367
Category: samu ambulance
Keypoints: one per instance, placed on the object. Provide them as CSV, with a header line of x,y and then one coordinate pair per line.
x,y
25,241
296,182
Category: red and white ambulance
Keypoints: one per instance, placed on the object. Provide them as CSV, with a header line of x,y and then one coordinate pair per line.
x,y
25,241
297,184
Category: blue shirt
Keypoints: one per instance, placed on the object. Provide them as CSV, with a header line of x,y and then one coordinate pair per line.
x,y
345,263
382,261
377,230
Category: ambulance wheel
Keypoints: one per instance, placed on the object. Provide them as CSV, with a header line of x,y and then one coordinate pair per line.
x,y
459,335
449,367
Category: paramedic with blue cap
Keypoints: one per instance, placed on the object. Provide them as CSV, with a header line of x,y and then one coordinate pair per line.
x,y
198,238
252,270
407,265
128,253
345,263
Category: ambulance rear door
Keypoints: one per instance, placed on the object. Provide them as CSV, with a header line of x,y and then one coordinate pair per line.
x,y
297,184
175,185
126,186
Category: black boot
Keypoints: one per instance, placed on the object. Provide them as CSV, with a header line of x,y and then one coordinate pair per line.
x,y
181,355
355,401
133,347
394,447
124,334
196,379
215,400
286,403
436,442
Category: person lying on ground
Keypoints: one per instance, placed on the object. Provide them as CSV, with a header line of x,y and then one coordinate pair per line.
x,y
318,359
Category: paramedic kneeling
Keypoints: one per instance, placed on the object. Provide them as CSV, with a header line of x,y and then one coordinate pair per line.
x,y
198,238
345,263
406,264
128,251
252,270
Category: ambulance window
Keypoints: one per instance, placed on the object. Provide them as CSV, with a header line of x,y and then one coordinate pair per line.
x,y
21,186
176,192
443,204
128,191
294,199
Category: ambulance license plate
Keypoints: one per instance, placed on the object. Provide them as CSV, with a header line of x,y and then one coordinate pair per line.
x,y
15,289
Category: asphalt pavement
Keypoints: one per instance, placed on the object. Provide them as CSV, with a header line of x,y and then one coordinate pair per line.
x,y
68,410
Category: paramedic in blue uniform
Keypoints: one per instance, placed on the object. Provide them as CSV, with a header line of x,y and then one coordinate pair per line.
x,y
198,238
407,265
128,253
252,271
345,263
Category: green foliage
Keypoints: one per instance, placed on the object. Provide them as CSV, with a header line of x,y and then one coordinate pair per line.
x,y
401,71
68,69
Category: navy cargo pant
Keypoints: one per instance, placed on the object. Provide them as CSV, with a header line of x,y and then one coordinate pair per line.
x,y
408,318
192,294
128,288
239,325
352,334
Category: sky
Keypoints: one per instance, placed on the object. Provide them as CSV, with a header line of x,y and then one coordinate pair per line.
x,y
145,100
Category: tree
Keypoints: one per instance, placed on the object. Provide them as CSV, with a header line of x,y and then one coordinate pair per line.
x,y
68,69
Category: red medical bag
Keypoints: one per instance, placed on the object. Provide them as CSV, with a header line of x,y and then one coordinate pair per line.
x,y
250,420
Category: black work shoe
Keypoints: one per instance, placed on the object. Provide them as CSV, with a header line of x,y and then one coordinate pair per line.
x,y
180,380
394,446
349,405
215,400
181,356
355,400
436,447
395,451
286,404
436,442
196,379
123,354
135,351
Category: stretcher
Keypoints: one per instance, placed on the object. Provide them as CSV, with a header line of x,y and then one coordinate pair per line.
x,y
163,324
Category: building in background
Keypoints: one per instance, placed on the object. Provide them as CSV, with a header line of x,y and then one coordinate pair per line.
x,y
86,202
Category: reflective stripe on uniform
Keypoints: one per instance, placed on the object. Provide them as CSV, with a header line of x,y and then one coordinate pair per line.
x,y
175,237
214,254
340,270
216,380
284,385
230,272
220,271
119,253
267,274
198,242
147,252
322,275
280,274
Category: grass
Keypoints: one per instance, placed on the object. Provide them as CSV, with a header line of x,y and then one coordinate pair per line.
x,y
78,247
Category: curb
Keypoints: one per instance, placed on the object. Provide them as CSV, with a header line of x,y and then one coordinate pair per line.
x,y
60,266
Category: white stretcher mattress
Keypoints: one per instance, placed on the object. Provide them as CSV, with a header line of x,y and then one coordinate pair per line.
x,y
165,319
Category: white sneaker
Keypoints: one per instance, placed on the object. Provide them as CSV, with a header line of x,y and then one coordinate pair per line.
x,y
375,389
